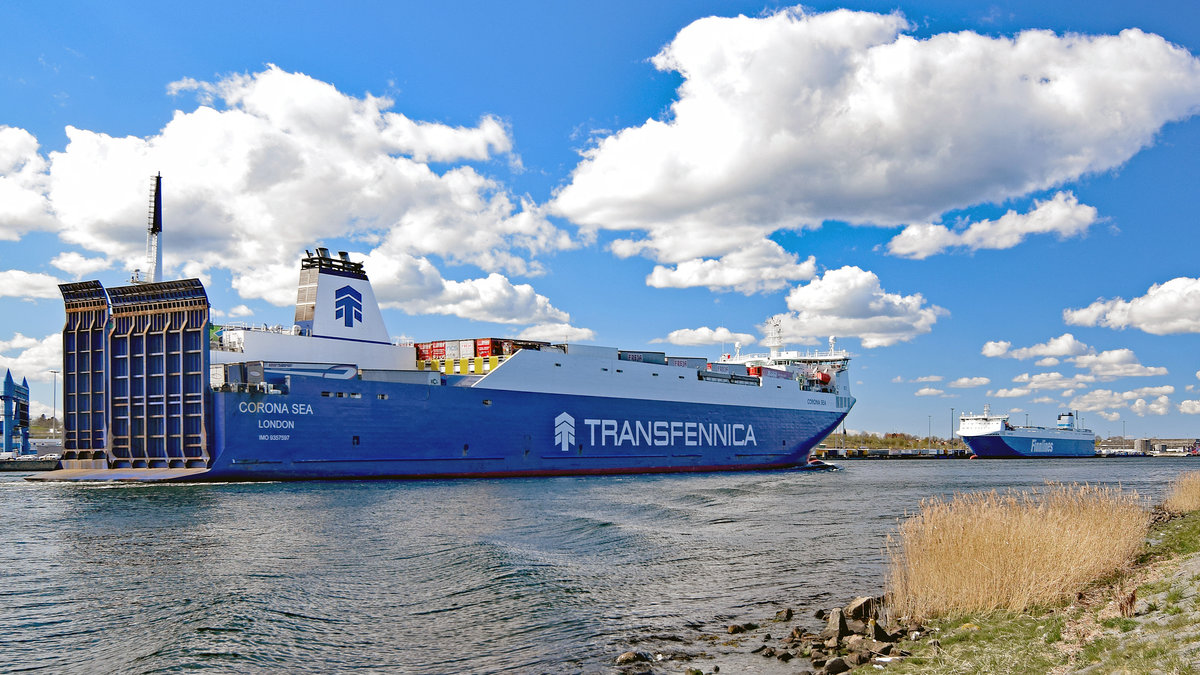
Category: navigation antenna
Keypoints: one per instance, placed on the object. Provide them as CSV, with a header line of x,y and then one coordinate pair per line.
x,y
153,234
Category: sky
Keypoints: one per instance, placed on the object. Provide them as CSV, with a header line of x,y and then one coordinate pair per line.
x,y
983,203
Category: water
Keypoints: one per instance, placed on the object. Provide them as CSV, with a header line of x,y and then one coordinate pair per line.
x,y
518,576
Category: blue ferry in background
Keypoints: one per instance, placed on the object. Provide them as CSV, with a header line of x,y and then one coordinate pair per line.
x,y
153,391
991,436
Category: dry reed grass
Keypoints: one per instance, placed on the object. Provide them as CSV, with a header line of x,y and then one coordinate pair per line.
x,y
1184,493
984,552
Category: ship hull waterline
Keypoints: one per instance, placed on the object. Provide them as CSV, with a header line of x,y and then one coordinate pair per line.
x,y
410,431
995,446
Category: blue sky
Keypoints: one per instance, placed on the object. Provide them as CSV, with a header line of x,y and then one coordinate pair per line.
x,y
984,203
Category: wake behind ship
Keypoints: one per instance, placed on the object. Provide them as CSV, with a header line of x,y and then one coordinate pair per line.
x,y
153,391
991,436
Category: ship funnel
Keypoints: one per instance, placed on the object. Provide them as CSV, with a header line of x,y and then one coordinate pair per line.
x,y
335,299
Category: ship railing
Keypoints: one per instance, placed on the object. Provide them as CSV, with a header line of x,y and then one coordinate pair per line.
x,y
472,365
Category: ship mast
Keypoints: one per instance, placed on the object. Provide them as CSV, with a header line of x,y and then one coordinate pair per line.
x,y
774,337
153,234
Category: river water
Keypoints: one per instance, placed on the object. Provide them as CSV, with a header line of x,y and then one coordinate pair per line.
x,y
546,575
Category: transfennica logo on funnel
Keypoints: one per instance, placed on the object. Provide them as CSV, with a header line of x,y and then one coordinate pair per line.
x,y
347,304
564,431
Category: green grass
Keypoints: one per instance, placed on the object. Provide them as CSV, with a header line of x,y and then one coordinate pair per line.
x,y
1178,537
1003,643
1142,656
1120,622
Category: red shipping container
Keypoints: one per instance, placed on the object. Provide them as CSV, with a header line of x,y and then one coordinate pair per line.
x,y
483,347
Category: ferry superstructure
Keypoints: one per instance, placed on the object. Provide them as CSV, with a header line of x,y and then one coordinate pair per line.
x,y
153,391
991,436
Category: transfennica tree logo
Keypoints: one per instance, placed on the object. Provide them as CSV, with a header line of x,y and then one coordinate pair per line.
x,y
564,431
347,304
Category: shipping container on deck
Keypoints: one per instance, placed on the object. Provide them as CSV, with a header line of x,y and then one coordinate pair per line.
x,y
466,349
657,358
728,368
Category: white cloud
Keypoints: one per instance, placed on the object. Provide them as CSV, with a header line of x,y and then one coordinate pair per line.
x,y
1099,399
1135,399
1063,345
1160,406
1190,407
276,162
1149,391
706,335
241,311
34,358
1063,215
79,265
1015,392
790,119
1165,309
928,391
1110,416
765,266
1044,399
995,348
23,203
1116,363
19,284
850,302
1048,362
965,382
1053,380
557,333
929,378
693,337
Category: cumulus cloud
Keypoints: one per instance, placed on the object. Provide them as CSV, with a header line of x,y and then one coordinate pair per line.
x,y
79,265
1115,363
1014,392
790,119
1134,399
1063,215
694,337
1053,380
1189,407
1098,399
850,302
1063,345
928,391
23,185
965,382
557,333
273,162
1165,309
1159,406
765,266
1110,416
33,358
19,284
929,378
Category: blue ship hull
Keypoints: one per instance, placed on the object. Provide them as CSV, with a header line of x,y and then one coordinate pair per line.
x,y
996,446
391,430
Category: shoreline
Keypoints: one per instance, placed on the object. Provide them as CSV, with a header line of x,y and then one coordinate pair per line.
x,y
1143,618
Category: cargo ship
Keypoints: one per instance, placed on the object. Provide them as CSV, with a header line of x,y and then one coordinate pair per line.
x,y
154,391
991,436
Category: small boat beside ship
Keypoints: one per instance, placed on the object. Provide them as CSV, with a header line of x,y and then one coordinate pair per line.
x,y
993,436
